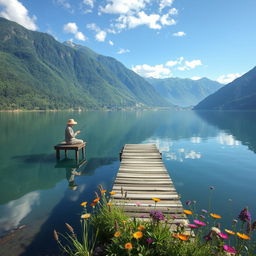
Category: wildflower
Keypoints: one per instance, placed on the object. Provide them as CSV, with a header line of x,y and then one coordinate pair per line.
x,y
156,199
230,232
85,216
138,235
222,235
109,204
149,240
55,235
128,246
198,222
235,221
103,191
215,229
188,202
209,236
192,226
92,204
188,212
202,216
138,203
215,216
174,217
69,228
156,215
245,215
183,237
124,221
229,249
243,236
117,234
83,204
96,200
141,227
112,193
204,211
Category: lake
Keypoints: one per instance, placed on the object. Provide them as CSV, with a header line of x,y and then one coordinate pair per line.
x,y
200,149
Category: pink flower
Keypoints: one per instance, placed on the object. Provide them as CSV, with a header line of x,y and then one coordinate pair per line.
x,y
229,249
192,226
198,222
138,203
222,235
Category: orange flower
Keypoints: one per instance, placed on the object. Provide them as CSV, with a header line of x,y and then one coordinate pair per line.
x,y
109,204
112,193
181,237
243,236
188,212
128,246
230,232
138,235
96,200
103,191
141,227
86,216
92,204
83,204
156,199
117,234
215,216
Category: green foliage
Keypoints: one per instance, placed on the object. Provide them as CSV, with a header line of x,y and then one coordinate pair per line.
x,y
237,95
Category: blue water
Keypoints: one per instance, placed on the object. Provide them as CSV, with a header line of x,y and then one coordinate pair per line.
x,y
200,149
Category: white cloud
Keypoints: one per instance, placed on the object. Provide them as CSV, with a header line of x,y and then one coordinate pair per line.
x,y
228,78
192,64
195,139
122,51
90,3
165,3
93,26
123,6
193,155
171,63
16,11
166,20
111,42
101,36
227,139
196,77
72,28
64,3
179,34
157,71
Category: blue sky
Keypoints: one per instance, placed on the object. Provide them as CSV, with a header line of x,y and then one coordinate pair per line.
x,y
157,38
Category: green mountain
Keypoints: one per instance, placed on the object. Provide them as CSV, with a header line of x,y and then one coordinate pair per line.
x,y
184,92
38,72
237,95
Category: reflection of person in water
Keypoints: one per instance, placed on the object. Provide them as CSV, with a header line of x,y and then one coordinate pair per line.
x,y
70,175
70,135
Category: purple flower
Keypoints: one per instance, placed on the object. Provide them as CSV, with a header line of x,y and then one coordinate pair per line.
x,y
222,235
156,215
245,215
188,202
203,210
202,216
208,237
149,240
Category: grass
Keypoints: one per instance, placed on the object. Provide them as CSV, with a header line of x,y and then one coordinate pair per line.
x,y
107,230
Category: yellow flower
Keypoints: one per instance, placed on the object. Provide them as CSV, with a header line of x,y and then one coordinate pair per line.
x,y
128,246
124,221
86,216
96,200
156,199
103,191
138,235
109,204
117,234
141,227
243,236
188,212
83,204
230,232
112,193
215,216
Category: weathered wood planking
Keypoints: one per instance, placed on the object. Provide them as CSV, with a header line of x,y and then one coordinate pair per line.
x,y
142,176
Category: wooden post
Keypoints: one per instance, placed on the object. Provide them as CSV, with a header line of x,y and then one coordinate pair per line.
x,y
83,152
66,153
77,155
58,154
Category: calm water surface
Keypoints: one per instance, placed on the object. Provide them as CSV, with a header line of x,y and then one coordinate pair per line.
x,y
200,149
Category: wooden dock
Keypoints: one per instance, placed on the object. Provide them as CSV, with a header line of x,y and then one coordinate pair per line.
x,y
142,176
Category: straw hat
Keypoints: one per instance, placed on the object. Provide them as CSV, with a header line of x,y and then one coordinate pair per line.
x,y
71,121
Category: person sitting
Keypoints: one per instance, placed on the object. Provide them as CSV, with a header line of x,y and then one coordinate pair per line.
x,y
70,135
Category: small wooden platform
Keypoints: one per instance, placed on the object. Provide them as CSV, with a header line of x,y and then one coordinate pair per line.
x,y
67,147
142,176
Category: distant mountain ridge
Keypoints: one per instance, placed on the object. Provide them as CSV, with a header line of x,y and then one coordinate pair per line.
x,y
184,92
38,72
237,95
